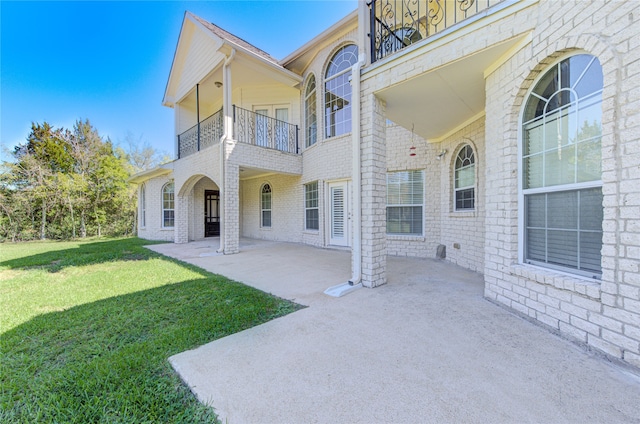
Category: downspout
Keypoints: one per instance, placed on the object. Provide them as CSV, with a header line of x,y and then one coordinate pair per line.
x,y
227,134
356,118
356,177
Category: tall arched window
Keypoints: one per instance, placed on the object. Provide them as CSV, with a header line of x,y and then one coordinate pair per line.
x,y
168,206
465,179
337,91
143,206
265,206
561,168
310,116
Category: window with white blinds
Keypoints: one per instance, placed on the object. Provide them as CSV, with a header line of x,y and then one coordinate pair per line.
x,y
465,179
312,221
405,201
561,168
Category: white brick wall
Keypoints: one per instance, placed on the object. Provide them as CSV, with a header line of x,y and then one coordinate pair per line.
x,y
442,225
603,314
287,214
153,229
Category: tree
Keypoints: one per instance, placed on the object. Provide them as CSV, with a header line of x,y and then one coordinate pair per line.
x,y
64,183
141,155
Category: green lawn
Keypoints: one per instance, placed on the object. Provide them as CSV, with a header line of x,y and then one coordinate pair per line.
x,y
86,329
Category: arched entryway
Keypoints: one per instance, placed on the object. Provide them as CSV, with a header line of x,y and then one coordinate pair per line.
x,y
200,200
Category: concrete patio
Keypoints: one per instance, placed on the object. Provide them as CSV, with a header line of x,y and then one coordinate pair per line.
x,y
426,347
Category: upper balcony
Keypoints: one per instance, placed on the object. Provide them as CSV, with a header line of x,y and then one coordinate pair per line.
x,y
249,127
396,24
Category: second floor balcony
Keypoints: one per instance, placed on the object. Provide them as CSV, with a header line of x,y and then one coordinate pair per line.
x,y
248,127
396,24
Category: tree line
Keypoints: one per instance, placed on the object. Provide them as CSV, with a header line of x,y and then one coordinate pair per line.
x,y
64,184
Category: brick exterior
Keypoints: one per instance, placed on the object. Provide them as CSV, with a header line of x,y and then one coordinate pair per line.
x,y
602,314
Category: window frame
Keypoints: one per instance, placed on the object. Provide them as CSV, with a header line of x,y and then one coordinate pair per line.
x,y
400,206
331,131
311,111
525,195
472,187
168,210
143,206
264,211
309,190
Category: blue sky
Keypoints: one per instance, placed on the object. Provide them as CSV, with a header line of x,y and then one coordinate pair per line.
x,y
109,61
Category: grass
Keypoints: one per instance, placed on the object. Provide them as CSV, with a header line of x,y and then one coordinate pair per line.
x,y
86,329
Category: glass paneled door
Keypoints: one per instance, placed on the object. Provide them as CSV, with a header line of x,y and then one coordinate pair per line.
x,y
272,129
211,213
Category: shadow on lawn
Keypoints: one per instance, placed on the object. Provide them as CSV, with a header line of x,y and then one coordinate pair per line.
x,y
130,249
107,361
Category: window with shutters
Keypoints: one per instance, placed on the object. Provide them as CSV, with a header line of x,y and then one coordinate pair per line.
x,y
405,201
561,168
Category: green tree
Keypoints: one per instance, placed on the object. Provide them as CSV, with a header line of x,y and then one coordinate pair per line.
x,y
63,183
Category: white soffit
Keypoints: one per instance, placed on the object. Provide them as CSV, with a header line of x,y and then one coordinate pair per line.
x,y
440,100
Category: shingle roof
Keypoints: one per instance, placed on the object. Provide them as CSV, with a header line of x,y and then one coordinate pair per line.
x,y
234,39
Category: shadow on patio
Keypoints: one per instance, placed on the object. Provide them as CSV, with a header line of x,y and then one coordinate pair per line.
x,y
426,347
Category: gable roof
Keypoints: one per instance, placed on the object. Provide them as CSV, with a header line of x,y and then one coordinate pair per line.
x,y
227,36
221,43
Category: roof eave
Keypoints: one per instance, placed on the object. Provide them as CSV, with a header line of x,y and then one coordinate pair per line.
x,y
326,34
143,176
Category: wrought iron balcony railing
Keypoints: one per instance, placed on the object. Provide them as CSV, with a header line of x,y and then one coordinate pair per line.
x,y
204,134
248,127
260,130
396,24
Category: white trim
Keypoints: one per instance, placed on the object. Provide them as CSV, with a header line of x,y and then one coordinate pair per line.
x,y
474,186
327,34
143,206
528,38
457,128
162,208
262,210
421,205
549,189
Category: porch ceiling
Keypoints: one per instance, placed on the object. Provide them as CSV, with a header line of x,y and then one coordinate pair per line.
x,y
246,73
441,100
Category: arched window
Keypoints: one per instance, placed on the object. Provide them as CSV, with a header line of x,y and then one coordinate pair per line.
x,y
310,116
561,168
465,179
337,91
265,206
168,206
143,206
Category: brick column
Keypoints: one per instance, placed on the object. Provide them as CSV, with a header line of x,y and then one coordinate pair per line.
x,y
181,222
231,208
373,191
